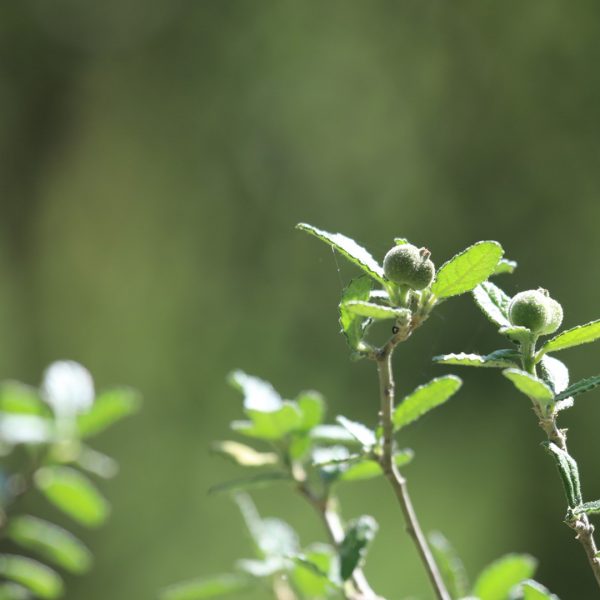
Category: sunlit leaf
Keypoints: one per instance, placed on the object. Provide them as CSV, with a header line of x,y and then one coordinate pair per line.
x,y
530,385
51,542
334,434
516,333
13,591
585,385
425,398
24,429
532,590
352,324
108,408
74,494
359,431
312,409
498,359
315,568
505,266
40,579
18,398
589,508
582,334
350,249
497,580
464,271
368,469
554,373
376,311
493,302
244,455
97,463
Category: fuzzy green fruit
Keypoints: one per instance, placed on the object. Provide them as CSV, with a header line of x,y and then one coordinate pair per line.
x,y
410,266
535,310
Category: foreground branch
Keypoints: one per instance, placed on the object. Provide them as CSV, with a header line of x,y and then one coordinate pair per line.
x,y
396,479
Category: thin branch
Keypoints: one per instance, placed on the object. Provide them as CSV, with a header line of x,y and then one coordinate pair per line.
x,y
396,479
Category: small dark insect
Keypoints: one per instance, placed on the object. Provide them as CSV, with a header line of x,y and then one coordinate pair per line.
x,y
395,329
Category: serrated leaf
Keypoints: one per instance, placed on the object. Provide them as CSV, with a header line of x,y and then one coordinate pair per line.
x,y
354,547
554,373
530,385
360,432
376,311
353,324
466,270
582,386
350,249
74,494
498,359
496,581
210,587
516,333
569,473
256,481
244,455
505,266
368,469
425,398
589,508
312,409
108,408
493,302
532,590
582,334
40,579
450,565
51,542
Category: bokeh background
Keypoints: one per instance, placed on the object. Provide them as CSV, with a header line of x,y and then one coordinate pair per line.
x,y
155,156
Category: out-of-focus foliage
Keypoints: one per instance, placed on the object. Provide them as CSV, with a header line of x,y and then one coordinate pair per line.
x,y
155,157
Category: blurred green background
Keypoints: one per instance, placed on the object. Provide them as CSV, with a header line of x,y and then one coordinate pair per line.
x,y
155,156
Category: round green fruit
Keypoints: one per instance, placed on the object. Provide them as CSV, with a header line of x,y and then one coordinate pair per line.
x,y
535,310
410,266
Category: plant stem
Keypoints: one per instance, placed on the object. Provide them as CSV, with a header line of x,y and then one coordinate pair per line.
x,y
335,529
396,479
584,530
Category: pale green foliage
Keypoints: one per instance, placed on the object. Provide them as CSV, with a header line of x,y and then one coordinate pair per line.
x,y
582,334
497,580
497,359
467,270
376,311
569,473
425,398
353,549
197,589
532,590
352,323
589,508
493,302
50,424
530,385
451,566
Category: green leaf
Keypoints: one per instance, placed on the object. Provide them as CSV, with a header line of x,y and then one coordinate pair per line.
x,y
530,385
74,494
505,266
555,374
353,324
400,241
516,333
569,473
335,434
210,587
582,334
40,579
354,547
312,409
21,399
493,302
467,269
496,581
425,398
450,565
271,417
24,429
589,508
256,481
376,311
585,385
368,469
350,249
532,590
244,455
498,359
108,408
51,542
314,571
97,463
360,432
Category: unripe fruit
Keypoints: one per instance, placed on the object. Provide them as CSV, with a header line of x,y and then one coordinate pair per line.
x,y
410,266
535,310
